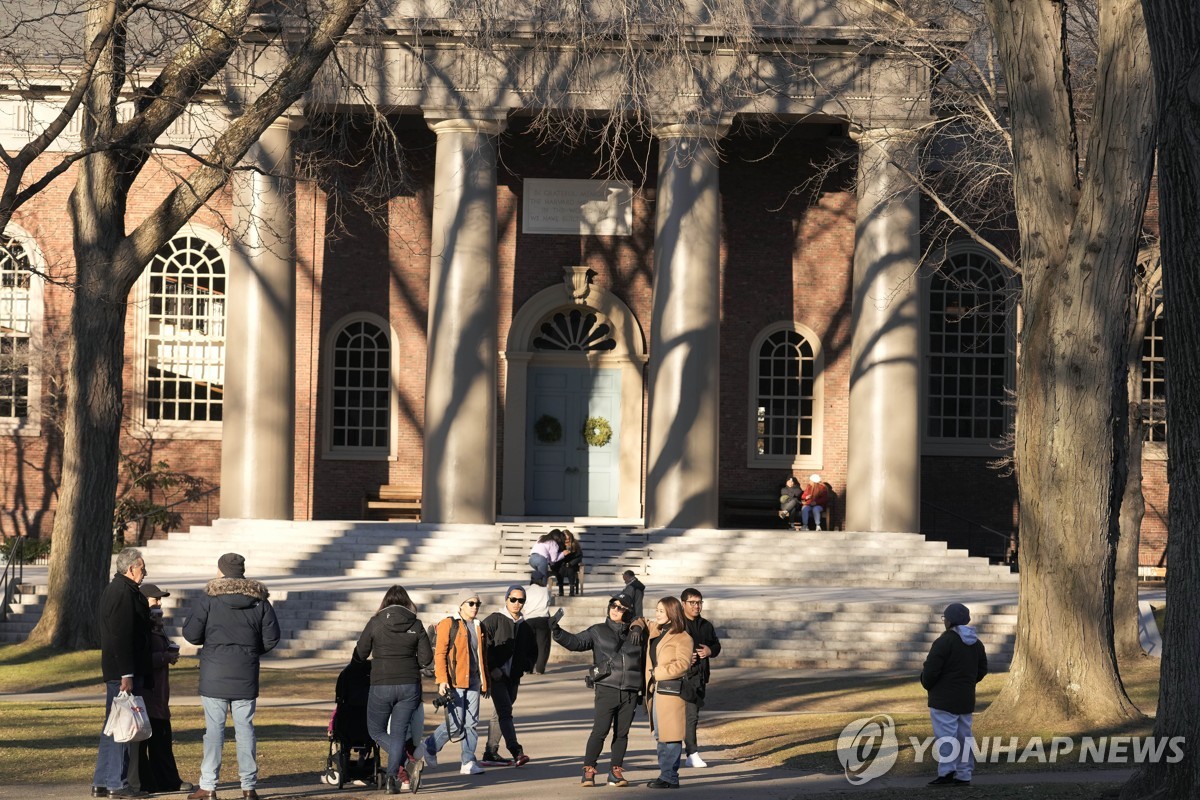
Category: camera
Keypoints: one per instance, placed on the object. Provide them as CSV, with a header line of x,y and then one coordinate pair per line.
x,y
596,674
442,700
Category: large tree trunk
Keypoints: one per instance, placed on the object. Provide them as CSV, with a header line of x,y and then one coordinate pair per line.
x,y
1078,240
1174,28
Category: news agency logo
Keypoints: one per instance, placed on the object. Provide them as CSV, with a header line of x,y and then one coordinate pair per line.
x,y
867,748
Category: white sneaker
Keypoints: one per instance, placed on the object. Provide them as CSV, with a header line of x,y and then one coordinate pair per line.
x,y
694,760
818,527
471,768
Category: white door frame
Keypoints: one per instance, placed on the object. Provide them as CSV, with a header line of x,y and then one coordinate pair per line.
x,y
629,356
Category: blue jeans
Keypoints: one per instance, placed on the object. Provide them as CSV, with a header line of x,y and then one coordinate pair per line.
x,y
669,754
805,511
395,704
215,713
464,712
112,757
540,565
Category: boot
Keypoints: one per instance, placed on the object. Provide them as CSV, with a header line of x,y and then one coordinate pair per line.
x,y
589,777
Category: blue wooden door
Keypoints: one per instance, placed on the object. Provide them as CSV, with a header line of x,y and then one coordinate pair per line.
x,y
569,477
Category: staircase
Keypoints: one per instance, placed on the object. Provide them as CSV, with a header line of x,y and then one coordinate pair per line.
x,y
782,599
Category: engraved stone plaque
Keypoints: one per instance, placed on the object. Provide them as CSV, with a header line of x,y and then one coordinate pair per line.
x,y
581,207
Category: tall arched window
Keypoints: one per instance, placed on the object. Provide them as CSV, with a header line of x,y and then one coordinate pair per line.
x,y
786,388
1154,377
969,352
360,377
20,315
184,346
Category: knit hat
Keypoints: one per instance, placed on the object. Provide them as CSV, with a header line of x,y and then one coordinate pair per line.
x,y
814,478
956,614
516,587
151,590
465,595
232,565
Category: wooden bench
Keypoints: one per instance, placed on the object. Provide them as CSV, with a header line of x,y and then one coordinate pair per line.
x,y
393,502
606,551
761,510
1152,574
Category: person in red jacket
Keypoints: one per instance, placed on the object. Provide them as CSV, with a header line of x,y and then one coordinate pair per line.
x,y
813,501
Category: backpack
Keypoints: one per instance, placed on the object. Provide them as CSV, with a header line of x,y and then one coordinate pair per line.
x,y
431,632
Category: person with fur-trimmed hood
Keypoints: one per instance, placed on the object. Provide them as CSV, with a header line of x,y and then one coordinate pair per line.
x,y
235,625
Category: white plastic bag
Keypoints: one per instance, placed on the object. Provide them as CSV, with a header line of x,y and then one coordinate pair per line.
x,y
127,720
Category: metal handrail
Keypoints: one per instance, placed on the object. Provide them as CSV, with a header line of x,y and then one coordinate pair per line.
x,y
13,575
1010,539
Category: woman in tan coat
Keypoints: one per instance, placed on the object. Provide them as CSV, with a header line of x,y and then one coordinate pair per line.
x,y
668,656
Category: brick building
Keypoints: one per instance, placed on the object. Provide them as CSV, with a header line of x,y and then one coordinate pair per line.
x,y
524,339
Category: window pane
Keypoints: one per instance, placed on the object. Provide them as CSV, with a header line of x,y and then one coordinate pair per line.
x,y
786,369
185,342
361,391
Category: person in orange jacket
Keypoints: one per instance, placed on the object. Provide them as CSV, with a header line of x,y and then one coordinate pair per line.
x,y
461,670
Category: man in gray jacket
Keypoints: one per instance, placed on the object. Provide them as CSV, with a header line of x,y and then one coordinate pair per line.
x,y
235,624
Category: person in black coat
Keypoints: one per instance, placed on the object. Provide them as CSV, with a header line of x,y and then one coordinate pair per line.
x,y
235,625
399,648
708,646
512,652
124,621
956,662
633,592
617,674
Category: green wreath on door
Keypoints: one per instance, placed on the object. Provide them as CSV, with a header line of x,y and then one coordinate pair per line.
x,y
597,431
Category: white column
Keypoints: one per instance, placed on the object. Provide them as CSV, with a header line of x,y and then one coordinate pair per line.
x,y
258,431
884,459
459,472
685,338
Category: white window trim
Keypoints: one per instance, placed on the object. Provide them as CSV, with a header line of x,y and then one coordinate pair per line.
x,y
141,426
941,446
814,460
31,424
390,453
1156,451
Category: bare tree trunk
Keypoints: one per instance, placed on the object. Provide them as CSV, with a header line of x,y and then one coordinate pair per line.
x,y
1127,639
1174,29
1078,240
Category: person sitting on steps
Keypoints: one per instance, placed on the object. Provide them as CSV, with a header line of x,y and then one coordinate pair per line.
x,y
814,500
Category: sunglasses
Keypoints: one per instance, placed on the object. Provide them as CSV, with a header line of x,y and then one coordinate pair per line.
x,y
622,609
473,603
516,599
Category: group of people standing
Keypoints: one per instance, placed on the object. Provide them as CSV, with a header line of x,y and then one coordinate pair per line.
x,y
235,623
661,664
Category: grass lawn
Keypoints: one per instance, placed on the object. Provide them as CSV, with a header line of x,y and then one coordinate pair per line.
x,y
811,713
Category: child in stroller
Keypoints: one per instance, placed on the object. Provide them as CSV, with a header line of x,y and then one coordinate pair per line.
x,y
353,755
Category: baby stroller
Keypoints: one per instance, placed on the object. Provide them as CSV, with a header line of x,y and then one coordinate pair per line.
x,y
353,755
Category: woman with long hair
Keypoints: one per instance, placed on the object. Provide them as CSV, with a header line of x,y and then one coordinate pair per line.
x,y
567,570
668,657
398,646
547,551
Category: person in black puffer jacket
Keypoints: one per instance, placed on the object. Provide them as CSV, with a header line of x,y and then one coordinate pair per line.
x,y
235,625
399,648
956,662
617,674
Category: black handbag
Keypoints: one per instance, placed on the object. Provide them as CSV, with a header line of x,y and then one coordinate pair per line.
x,y
672,688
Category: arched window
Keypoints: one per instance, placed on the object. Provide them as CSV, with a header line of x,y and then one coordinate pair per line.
x,y
786,388
360,377
578,330
969,352
185,333
20,317
1154,377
